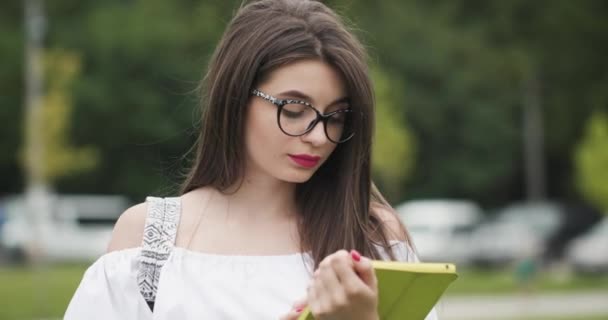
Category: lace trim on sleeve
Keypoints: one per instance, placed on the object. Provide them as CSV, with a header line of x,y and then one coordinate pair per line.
x,y
159,237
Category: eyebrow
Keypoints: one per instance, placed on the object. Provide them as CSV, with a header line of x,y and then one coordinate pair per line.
x,y
303,96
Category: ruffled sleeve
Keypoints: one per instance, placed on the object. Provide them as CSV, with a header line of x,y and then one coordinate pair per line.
x,y
108,290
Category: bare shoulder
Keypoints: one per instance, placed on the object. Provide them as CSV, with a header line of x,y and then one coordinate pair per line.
x,y
393,227
129,229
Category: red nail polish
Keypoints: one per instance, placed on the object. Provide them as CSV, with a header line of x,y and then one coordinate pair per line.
x,y
356,255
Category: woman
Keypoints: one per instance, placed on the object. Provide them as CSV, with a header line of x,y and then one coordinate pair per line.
x,y
280,187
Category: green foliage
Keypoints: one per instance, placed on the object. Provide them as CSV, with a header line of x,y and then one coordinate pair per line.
x,y
591,161
142,61
460,96
463,65
59,158
11,94
449,89
394,148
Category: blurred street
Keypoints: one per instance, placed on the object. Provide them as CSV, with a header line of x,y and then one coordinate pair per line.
x,y
546,305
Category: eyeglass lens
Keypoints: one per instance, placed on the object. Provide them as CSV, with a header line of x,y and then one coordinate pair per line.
x,y
296,119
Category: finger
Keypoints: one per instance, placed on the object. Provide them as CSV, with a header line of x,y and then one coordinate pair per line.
x,y
333,290
293,314
364,268
314,303
299,304
319,289
351,282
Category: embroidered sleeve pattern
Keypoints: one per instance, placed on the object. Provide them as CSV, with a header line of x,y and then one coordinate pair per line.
x,y
159,237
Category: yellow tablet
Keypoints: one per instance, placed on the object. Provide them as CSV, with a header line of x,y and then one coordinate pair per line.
x,y
407,291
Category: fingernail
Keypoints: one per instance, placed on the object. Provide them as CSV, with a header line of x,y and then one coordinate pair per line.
x,y
298,310
356,255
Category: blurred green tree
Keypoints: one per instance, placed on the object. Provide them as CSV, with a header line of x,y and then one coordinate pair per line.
x,y
135,98
394,146
12,94
465,67
451,80
456,73
591,161
60,158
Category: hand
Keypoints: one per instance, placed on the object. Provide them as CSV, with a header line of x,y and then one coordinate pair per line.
x,y
296,310
344,287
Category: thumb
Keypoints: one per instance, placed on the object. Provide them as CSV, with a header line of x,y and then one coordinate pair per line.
x,y
365,270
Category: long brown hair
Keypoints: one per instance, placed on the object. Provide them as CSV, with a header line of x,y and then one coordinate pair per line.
x,y
337,206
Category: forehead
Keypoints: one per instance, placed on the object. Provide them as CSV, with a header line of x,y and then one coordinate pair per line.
x,y
315,78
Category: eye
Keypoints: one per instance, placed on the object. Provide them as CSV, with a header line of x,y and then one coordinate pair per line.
x,y
338,118
292,114
296,110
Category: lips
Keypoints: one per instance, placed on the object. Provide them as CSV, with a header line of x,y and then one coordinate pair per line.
x,y
305,160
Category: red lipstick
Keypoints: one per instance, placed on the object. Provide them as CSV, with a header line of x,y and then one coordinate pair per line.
x,y
305,160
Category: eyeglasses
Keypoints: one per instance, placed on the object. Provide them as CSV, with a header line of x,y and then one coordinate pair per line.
x,y
296,118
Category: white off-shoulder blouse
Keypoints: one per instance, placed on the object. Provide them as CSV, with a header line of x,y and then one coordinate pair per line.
x,y
192,285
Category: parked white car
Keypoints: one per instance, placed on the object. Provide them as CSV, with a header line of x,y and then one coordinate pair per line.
x,y
519,231
78,227
441,229
589,252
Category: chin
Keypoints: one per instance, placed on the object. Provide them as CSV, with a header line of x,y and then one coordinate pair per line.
x,y
299,177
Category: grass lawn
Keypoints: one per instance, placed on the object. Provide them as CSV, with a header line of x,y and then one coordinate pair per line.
x,y
477,281
37,292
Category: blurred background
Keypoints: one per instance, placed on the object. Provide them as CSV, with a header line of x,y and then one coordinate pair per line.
x,y
491,139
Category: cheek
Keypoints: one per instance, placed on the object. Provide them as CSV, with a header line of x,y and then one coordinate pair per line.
x,y
263,136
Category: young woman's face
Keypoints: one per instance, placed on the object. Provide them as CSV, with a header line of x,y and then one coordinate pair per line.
x,y
272,152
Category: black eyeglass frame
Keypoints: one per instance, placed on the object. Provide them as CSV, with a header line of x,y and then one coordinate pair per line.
x,y
323,117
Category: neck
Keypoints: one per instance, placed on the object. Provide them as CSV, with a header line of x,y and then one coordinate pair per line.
x,y
261,196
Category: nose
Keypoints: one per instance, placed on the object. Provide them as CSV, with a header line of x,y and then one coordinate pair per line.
x,y
316,136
